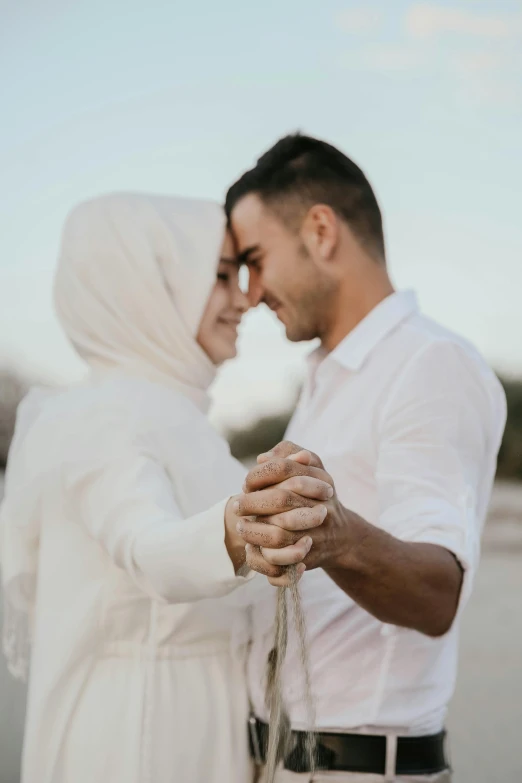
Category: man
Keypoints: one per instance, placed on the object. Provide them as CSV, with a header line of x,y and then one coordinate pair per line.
x,y
408,420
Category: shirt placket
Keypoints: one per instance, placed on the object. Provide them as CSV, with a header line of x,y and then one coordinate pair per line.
x,y
315,401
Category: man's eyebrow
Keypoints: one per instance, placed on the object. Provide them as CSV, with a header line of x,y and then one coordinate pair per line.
x,y
244,256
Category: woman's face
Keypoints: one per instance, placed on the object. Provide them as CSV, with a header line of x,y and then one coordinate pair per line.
x,y
217,333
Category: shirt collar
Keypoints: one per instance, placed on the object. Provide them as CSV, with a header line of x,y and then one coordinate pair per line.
x,y
360,342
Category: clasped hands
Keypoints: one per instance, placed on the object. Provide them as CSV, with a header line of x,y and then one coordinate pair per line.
x,y
287,514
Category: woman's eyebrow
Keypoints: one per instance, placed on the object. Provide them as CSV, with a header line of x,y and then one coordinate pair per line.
x,y
229,260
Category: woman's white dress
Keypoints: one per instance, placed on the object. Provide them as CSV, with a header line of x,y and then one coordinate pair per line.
x,y
137,670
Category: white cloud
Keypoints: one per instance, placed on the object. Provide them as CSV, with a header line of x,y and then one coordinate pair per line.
x,y
359,20
424,20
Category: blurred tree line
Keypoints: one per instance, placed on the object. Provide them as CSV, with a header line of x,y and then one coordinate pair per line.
x,y
510,455
266,432
12,389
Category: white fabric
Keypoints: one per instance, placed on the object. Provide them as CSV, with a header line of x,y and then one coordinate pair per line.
x,y
284,776
111,539
134,275
408,419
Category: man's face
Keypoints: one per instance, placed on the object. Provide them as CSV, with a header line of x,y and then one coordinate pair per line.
x,y
282,272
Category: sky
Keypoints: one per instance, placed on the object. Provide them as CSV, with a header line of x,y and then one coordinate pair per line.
x,y
172,97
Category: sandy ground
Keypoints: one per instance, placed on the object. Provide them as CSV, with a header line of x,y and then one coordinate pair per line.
x,y
486,714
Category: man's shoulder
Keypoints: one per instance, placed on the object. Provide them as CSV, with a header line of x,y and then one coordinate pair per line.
x,y
422,339
421,332
429,349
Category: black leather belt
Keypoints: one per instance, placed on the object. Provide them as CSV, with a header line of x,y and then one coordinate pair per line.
x,y
355,752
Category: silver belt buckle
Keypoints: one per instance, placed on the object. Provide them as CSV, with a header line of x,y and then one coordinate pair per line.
x,y
252,727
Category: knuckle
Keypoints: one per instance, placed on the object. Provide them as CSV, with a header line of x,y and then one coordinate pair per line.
x,y
279,538
258,565
289,520
301,516
250,479
294,483
244,505
291,499
288,468
282,498
317,513
274,570
264,536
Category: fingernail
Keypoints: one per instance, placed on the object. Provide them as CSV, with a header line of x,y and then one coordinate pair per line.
x,y
308,543
267,454
248,548
323,512
330,492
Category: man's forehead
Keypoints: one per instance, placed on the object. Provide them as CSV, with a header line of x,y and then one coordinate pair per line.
x,y
249,207
251,222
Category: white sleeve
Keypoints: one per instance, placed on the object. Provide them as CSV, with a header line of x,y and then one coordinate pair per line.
x,y
437,453
128,506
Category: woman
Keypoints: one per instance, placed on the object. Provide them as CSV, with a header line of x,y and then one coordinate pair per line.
x,y
136,670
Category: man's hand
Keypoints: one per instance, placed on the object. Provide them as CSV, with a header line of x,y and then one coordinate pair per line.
x,y
288,504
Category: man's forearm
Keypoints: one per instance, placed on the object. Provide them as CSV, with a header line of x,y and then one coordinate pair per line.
x,y
413,585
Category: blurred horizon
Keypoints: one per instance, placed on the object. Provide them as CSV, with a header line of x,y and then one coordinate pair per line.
x,y
425,96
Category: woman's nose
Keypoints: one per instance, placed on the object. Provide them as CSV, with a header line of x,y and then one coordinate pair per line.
x,y
241,300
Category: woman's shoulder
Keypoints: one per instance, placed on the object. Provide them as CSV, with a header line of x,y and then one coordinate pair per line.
x,y
115,416
150,405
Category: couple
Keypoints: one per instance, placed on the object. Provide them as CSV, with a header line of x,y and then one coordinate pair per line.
x,y
130,536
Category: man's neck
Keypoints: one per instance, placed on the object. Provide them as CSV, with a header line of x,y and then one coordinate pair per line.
x,y
353,306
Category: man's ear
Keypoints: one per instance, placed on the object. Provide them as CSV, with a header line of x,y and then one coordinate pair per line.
x,y
320,232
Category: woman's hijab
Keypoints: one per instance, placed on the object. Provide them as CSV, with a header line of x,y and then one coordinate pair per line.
x,y
133,278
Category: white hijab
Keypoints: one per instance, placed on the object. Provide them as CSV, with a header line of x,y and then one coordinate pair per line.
x,y
133,278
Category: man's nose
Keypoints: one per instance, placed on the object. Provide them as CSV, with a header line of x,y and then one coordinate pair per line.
x,y
255,290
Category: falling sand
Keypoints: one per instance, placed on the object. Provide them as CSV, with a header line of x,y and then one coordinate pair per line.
x,y
279,737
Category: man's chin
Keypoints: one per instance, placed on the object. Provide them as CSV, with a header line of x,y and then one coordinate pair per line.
x,y
297,334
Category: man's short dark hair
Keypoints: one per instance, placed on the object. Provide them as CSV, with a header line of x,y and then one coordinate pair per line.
x,y
300,171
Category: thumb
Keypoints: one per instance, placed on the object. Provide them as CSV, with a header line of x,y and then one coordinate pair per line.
x,y
304,457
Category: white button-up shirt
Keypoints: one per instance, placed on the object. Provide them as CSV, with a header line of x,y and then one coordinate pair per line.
x,y
407,418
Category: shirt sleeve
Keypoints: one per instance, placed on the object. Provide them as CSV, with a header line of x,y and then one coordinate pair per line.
x,y
439,438
128,506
